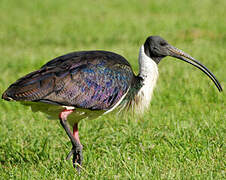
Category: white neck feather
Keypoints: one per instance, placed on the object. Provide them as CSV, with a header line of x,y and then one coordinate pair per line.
x,y
149,72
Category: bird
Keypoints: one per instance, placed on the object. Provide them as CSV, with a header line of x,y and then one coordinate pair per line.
x,y
88,84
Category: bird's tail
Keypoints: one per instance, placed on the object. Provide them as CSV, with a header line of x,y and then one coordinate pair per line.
x,y
31,87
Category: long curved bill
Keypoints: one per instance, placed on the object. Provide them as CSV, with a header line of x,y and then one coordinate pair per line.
x,y
179,54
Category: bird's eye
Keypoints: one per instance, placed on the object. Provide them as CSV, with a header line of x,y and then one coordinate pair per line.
x,y
163,43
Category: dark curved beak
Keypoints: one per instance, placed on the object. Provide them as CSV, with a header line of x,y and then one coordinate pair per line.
x,y
177,53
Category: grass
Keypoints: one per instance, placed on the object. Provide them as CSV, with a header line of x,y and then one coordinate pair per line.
x,y
182,136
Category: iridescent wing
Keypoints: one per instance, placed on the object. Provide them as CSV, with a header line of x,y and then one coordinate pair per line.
x,y
86,79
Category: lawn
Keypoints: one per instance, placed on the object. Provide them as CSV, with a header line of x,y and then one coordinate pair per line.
x,y
181,136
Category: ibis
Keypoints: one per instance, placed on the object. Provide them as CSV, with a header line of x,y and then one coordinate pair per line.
x,y
87,84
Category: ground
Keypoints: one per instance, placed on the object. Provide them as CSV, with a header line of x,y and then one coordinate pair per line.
x,y
181,136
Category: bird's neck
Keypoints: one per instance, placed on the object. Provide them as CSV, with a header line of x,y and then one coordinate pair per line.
x,y
148,72
147,67
138,98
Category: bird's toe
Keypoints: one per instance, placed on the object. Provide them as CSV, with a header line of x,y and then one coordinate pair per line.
x,y
77,157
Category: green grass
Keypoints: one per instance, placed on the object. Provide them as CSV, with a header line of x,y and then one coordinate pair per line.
x,y
182,136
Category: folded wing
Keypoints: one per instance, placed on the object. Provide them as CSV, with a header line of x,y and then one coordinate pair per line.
x,y
87,79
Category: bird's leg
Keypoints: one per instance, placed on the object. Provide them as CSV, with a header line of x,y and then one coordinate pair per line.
x,y
75,133
76,157
76,145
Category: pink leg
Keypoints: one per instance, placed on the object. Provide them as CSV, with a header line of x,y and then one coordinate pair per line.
x,y
65,113
76,145
75,133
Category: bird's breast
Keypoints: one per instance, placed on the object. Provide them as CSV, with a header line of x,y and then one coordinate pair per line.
x,y
143,98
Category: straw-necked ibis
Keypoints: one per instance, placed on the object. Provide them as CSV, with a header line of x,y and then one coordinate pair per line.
x,y
87,84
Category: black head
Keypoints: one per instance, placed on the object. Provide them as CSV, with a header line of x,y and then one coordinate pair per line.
x,y
157,48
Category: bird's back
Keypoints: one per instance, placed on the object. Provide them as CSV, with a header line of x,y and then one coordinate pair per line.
x,y
94,80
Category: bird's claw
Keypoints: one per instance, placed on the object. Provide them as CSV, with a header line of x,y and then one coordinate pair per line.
x,y
77,157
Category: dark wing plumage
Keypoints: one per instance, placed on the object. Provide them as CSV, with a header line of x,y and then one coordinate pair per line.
x,y
86,79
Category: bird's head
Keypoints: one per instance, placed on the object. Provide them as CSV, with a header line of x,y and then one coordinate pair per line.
x,y
157,48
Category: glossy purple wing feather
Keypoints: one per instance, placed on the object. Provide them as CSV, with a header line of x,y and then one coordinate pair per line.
x,y
86,79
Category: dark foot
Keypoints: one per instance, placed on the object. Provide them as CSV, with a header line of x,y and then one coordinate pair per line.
x,y
77,157
76,145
